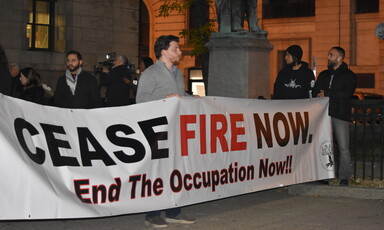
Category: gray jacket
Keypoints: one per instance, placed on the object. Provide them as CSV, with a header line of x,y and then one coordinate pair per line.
x,y
156,83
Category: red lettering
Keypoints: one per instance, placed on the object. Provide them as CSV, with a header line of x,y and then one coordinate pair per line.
x,y
236,131
203,134
218,132
186,134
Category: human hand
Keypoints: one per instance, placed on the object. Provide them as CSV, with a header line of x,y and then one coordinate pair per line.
x,y
172,95
105,69
321,94
126,81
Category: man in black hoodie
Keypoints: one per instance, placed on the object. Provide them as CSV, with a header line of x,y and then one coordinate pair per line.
x,y
338,83
296,80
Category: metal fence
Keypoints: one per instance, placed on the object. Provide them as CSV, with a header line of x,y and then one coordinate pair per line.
x,y
367,139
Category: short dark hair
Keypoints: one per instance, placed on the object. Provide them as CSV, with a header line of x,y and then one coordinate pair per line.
x,y
340,50
147,61
162,43
77,53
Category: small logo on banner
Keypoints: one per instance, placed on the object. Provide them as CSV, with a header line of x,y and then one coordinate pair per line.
x,y
326,155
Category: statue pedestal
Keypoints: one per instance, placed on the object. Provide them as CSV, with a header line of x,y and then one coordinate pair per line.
x,y
239,65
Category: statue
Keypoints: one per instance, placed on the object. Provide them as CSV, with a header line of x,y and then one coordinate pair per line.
x,y
230,15
379,31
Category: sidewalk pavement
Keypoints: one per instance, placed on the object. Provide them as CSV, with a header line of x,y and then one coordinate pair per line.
x,y
299,207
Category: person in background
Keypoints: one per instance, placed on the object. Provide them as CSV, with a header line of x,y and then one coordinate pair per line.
x,y
32,88
338,83
16,86
296,80
162,80
77,88
5,76
145,62
117,82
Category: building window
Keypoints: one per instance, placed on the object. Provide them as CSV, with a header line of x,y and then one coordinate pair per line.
x,y
288,8
40,24
365,80
367,6
195,81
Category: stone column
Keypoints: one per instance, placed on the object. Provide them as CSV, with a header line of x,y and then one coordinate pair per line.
x,y
239,65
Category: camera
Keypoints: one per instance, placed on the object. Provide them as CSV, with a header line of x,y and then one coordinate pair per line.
x,y
98,68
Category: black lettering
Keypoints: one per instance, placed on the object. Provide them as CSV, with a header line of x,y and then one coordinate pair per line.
x,y
20,124
125,142
54,145
176,177
79,191
86,136
153,137
96,189
134,180
114,191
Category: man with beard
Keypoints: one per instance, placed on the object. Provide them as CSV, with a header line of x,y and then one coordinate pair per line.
x,y
296,80
338,83
162,80
77,88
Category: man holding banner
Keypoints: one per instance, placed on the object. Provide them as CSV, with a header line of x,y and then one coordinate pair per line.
x,y
162,80
338,83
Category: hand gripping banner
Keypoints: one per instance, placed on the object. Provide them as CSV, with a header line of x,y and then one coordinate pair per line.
x,y
77,163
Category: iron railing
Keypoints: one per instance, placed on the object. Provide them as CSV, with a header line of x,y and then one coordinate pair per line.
x,y
367,139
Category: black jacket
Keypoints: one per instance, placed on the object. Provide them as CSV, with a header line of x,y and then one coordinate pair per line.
x,y
86,96
16,87
117,91
339,91
294,84
5,80
34,94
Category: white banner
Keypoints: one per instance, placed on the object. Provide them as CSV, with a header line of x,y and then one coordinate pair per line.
x,y
75,163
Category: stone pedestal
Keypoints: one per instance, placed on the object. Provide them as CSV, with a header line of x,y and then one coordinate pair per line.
x,y
239,65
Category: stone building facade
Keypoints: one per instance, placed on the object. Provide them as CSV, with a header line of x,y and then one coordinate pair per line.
x,y
93,27
97,27
335,24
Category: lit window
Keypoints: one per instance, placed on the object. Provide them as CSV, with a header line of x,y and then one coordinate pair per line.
x,y
196,81
40,24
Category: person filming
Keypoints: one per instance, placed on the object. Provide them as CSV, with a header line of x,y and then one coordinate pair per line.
x,y
118,82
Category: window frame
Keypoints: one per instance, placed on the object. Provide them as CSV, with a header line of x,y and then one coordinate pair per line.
x,y
290,9
370,6
34,25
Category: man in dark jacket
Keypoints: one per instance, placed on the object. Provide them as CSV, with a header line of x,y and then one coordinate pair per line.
x,y
296,80
118,82
338,83
77,88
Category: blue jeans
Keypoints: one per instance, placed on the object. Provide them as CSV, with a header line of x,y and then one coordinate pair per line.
x,y
173,212
341,132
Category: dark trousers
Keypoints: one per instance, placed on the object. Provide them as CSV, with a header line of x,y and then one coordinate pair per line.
x,y
173,212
